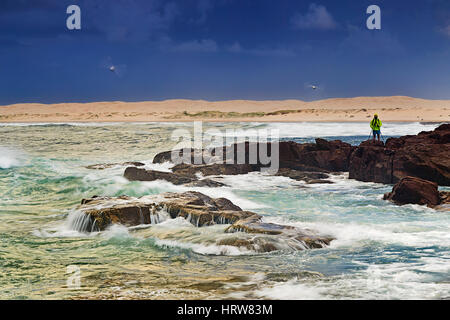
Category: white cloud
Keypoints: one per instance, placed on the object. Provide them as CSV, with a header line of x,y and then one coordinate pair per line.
x,y
317,17
446,30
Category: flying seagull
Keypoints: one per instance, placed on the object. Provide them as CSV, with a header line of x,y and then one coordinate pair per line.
x,y
112,68
313,87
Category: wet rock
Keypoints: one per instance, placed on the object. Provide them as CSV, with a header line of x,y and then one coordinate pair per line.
x,y
104,211
322,156
306,239
255,244
308,177
187,177
206,183
102,166
425,156
212,169
138,174
197,208
319,181
416,191
372,163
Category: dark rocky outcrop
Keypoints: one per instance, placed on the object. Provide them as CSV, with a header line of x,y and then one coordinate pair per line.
x,y
322,156
198,209
417,191
308,162
138,174
177,178
253,224
308,177
426,156
213,169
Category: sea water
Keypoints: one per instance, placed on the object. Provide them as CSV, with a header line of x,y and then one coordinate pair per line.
x,y
381,251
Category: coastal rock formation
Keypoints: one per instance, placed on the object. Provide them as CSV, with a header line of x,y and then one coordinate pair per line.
x,y
322,156
197,208
213,169
138,174
308,177
191,180
303,162
426,156
417,191
253,224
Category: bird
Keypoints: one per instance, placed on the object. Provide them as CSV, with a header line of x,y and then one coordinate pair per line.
x,y
313,87
112,68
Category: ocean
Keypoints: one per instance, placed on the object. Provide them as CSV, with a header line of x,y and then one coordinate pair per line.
x,y
381,251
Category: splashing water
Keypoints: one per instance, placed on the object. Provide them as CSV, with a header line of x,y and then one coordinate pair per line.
x,y
381,251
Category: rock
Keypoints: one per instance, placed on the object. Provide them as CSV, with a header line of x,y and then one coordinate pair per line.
x,y
128,211
425,156
416,191
371,163
322,156
256,244
186,175
110,165
253,224
308,177
162,157
137,174
206,183
212,169
198,209
319,181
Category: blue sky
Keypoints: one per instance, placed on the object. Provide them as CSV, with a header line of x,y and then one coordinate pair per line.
x,y
222,49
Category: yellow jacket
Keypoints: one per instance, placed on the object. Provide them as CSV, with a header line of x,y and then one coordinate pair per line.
x,y
375,124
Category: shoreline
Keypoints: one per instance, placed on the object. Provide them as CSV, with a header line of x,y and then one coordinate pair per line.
x,y
359,109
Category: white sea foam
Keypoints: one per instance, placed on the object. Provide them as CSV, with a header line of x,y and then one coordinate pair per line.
x,y
224,192
332,129
291,290
205,249
116,231
10,158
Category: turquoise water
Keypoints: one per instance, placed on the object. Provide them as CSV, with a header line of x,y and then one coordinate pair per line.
x,y
381,251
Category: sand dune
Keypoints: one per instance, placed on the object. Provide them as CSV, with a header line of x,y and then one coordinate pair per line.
x,y
396,108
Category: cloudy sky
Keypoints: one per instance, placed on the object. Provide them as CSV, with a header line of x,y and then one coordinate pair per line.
x,y
222,49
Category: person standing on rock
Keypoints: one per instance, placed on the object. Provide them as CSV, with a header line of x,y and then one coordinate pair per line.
x,y
375,125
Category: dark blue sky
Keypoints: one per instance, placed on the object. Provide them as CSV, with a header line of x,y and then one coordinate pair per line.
x,y
222,49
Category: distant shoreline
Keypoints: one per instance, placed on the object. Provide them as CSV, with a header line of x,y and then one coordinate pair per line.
x,y
359,109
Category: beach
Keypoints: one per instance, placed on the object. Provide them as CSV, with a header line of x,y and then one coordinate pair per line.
x,y
359,109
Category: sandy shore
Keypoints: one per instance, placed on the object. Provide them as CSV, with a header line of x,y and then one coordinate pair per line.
x,y
395,108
